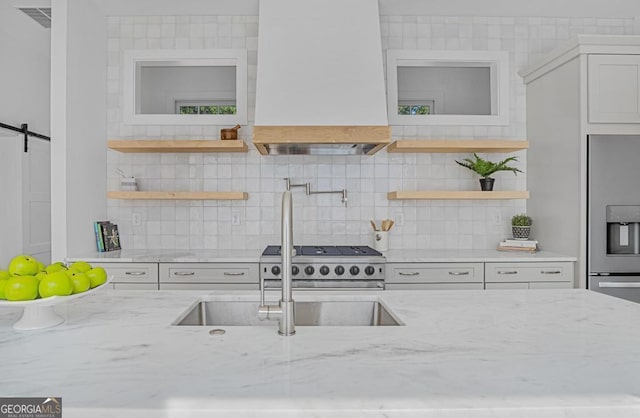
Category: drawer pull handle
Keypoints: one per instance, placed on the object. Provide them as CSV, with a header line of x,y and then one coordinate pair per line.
x,y
550,272
238,273
413,273
135,273
184,273
619,284
507,272
458,273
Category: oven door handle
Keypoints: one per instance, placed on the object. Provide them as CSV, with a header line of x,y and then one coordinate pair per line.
x,y
619,284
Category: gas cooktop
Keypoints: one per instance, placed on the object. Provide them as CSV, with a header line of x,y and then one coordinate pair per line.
x,y
325,250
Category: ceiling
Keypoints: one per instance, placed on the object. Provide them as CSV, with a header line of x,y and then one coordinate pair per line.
x,y
565,8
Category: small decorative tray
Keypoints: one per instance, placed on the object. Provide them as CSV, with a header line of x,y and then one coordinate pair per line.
x,y
39,313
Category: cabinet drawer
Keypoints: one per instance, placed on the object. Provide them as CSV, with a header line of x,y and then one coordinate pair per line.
x,y
528,272
208,273
434,273
209,286
131,272
433,286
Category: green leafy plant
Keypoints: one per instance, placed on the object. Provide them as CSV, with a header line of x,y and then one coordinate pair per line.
x,y
486,168
521,219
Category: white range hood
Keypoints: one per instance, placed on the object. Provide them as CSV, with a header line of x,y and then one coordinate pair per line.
x,y
320,78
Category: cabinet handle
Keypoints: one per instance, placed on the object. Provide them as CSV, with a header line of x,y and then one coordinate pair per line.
x,y
135,273
184,273
619,284
507,272
413,273
458,273
550,272
239,273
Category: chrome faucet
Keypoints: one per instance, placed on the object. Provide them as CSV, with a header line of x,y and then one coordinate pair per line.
x,y
307,188
284,312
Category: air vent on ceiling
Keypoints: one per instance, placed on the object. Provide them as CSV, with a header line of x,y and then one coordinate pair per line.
x,y
40,15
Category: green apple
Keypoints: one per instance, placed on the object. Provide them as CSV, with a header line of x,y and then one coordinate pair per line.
x,y
4,275
55,284
57,266
41,267
80,282
21,288
3,283
23,265
41,275
82,266
97,276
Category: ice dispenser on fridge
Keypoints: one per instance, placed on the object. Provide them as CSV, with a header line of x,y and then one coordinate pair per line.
x,y
623,229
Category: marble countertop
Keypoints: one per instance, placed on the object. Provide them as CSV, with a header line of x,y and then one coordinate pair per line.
x,y
170,256
471,256
511,353
253,256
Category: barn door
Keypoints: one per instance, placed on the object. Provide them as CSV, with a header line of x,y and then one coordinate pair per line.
x,y
36,200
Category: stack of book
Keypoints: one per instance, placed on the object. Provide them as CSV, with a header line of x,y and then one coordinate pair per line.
x,y
518,245
107,237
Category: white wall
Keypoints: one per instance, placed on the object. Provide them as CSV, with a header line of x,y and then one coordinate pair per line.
x,y
79,78
24,88
24,71
323,219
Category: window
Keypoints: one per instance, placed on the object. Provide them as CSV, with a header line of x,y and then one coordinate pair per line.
x,y
447,87
185,87
184,107
424,107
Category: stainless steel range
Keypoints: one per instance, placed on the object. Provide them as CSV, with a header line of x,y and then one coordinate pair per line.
x,y
326,267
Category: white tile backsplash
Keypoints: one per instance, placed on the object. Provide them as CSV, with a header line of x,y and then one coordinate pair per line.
x,y
322,219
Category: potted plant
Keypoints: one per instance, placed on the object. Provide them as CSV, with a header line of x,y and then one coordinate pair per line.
x,y
521,226
486,168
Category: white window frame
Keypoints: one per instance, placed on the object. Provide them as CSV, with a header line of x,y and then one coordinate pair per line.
x,y
497,61
184,57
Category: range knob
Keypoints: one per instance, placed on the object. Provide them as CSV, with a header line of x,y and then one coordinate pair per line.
x,y
369,270
339,270
295,270
354,270
324,270
275,270
309,270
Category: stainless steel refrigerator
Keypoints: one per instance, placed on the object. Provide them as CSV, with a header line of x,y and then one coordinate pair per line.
x,y
614,215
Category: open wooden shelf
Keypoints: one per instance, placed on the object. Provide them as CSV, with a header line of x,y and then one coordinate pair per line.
x,y
182,145
457,195
178,195
456,146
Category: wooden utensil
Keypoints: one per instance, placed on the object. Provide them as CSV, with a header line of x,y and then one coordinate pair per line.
x,y
373,225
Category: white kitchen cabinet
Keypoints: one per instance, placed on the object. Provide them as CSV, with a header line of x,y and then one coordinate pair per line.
x,y
434,276
588,86
208,276
530,275
132,276
614,88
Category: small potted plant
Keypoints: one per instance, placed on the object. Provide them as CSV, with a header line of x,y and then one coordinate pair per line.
x,y
486,168
521,226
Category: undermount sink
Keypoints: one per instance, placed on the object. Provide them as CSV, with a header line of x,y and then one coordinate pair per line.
x,y
312,313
